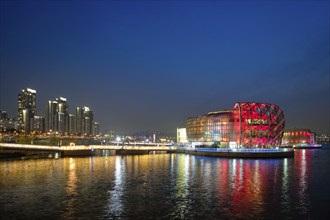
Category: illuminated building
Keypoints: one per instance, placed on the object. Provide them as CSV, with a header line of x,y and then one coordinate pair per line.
x,y
181,135
96,128
84,120
26,109
298,136
62,115
249,124
57,115
72,124
6,123
39,123
78,120
51,116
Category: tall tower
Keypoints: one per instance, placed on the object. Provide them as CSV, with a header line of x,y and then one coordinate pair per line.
x,y
72,124
84,120
26,109
62,115
57,115
87,120
96,128
51,116
78,120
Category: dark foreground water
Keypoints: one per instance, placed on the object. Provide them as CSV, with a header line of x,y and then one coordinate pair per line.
x,y
167,186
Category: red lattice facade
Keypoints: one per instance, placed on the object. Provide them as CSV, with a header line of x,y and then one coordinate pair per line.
x,y
260,124
249,124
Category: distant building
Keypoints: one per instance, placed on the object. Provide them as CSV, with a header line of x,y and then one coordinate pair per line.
x,y
249,124
96,128
6,123
62,115
323,139
72,124
87,122
51,116
3,120
297,136
26,109
39,123
182,135
84,120
78,120
57,115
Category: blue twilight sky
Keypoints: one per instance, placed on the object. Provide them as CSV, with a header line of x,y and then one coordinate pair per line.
x,y
148,65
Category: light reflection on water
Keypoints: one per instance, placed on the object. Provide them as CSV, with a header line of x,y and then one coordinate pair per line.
x,y
71,190
303,164
115,204
165,186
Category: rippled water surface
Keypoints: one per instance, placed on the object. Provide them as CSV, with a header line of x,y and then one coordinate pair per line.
x,y
167,186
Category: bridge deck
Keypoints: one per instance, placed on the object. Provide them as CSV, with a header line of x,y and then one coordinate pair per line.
x,y
82,147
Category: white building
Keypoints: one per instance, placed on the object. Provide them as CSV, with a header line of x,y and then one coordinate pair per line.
x,y
181,136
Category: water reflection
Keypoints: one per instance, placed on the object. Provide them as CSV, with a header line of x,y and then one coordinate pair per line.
x,y
168,186
181,188
285,187
302,162
71,190
115,205
247,188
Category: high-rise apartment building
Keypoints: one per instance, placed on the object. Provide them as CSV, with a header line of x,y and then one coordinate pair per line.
x,y
72,124
87,120
39,123
62,115
26,109
6,123
84,120
96,128
78,120
57,115
51,116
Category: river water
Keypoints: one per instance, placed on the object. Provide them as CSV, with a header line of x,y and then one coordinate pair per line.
x,y
167,186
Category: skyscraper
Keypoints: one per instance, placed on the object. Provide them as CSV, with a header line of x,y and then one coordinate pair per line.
x,y
51,116
72,124
26,109
6,123
87,121
62,111
78,120
57,115
96,128
39,123
84,120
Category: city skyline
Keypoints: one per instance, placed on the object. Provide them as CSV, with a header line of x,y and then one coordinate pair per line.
x,y
149,66
56,116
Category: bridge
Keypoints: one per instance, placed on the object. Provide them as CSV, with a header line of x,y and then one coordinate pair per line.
x,y
8,149
82,150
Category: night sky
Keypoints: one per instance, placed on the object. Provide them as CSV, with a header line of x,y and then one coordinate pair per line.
x,y
142,65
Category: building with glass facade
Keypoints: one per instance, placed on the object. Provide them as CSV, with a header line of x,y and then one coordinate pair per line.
x,y
249,124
